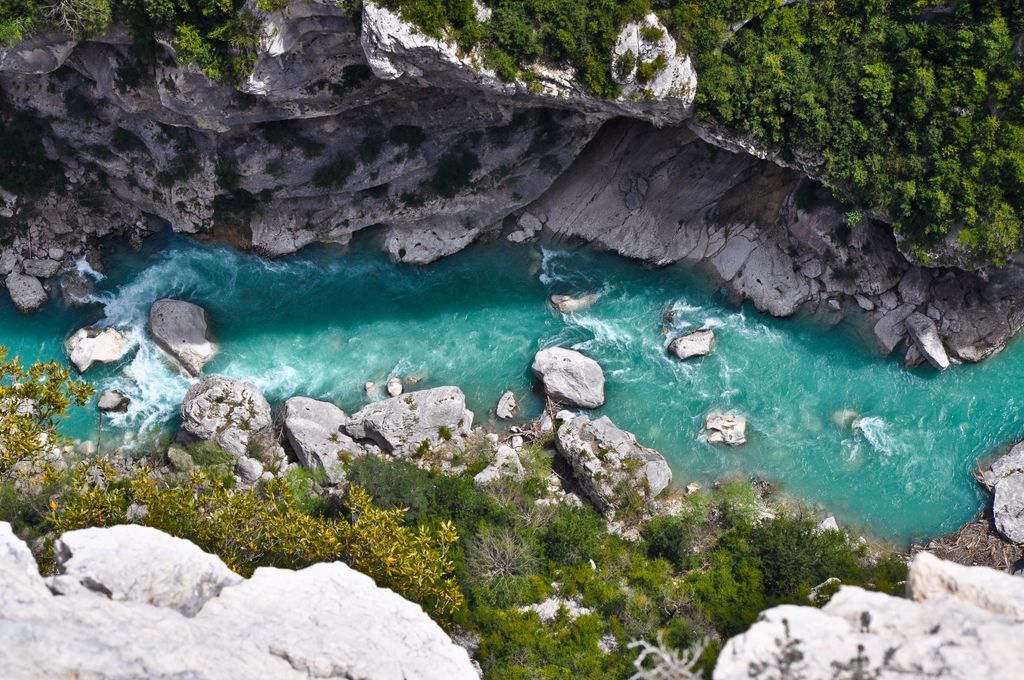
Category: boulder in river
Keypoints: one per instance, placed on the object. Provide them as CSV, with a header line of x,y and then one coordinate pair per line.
x,y
695,344
394,386
926,339
113,401
399,425
608,463
1005,479
568,304
726,428
506,406
26,292
88,346
314,432
569,377
231,413
181,329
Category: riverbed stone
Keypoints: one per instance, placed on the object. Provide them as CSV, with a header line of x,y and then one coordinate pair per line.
x,y
726,428
1005,479
569,377
696,344
231,413
41,269
506,406
925,335
399,425
181,330
91,345
314,432
608,462
113,401
569,304
394,386
26,292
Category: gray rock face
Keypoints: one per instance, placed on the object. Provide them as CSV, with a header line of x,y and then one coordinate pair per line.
x,y
506,406
140,564
314,432
963,622
112,400
608,462
696,344
180,329
88,346
400,424
506,464
570,378
26,292
325,621
726,428
926,339
233,414
41,269
1005,479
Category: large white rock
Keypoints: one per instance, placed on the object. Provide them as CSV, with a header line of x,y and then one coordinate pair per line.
x,y
1005,479
26,292
88,346
606,461
695,344
140,564
569,377
232,413
180,329
506,405
506,464
647,41
314,432
326,621
925,336
964,622
400,424
726,428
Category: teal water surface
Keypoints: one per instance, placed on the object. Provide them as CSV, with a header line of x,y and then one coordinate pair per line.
x,y
323,322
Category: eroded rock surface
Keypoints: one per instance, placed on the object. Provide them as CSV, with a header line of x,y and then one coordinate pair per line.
x,y
962,622
1005,479
314,432
26,292
231,413
608,463
88,346
326,621
399,425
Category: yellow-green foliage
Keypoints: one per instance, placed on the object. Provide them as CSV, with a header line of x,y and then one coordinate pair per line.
x,y
32,401
266,526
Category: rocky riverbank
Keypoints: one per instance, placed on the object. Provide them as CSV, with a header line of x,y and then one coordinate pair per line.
x,y
299,154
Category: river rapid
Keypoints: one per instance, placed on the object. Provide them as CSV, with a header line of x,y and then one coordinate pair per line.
x,y
831,422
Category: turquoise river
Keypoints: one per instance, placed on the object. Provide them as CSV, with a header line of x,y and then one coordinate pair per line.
x,y
323,322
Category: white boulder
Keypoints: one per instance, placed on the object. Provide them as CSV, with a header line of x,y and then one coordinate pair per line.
x,y
180,329
314,432
506,406
726,428
570,378
233,414
696,344
1005,479
88,346
26,292
399,425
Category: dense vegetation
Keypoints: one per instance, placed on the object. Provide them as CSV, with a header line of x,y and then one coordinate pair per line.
x,y
476,559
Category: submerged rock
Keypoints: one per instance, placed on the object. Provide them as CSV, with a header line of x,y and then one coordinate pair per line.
x,y
925,336
696,344
1005,479
726,428
608,463
112,400
314,432
567,304
961,622
88,346
125,590
506,406
180,329
26,292
233,414
569,377
399,425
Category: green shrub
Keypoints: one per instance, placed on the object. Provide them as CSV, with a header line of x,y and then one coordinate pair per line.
x,y
572,536
454,171
335,173
668,538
